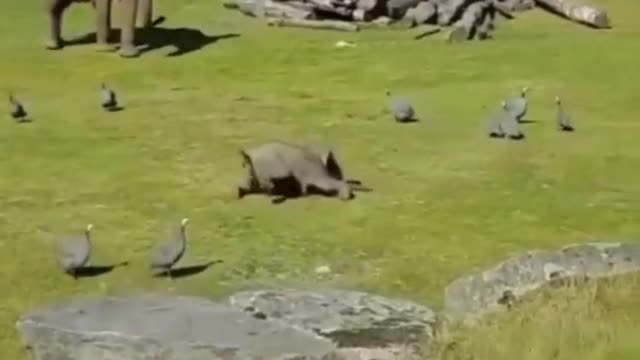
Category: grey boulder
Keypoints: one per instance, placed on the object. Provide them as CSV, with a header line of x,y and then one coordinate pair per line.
x,y
161,328
348,318
493,290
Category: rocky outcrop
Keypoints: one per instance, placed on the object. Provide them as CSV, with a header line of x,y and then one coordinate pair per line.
x,y
161,328
272,325
348,318
496,288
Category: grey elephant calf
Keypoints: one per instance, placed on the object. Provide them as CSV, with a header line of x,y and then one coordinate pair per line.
x,y
282,170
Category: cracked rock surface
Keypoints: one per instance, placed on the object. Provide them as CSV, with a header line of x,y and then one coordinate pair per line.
x,y
492,290
161,328
348,318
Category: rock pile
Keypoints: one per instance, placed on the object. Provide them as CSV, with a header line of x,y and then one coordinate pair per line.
x,y
463,19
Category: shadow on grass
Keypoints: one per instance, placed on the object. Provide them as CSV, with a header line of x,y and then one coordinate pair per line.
x,y
97,270
187,270
185,40
114,109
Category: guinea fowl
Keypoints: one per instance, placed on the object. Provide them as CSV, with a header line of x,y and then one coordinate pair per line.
x,y
108,98
510,125
18,112
562,118
168,253
74,252
401,109
517,105
495,124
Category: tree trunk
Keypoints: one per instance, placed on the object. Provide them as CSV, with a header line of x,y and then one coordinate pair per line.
x,y
463,28
426,30
577,12
371,9
314,24
329,6
519,5
486,25
502,9
450,10
268,8
396,9
425,12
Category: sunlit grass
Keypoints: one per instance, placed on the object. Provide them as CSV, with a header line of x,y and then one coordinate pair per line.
x,y
447,199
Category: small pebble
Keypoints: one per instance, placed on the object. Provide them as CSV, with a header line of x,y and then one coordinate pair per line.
x,y
324,269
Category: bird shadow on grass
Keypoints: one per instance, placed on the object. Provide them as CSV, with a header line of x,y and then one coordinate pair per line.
x,y
97,270
409,121
115,109
528,121
187,270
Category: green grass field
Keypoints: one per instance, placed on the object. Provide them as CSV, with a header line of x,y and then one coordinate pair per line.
x,y
447,199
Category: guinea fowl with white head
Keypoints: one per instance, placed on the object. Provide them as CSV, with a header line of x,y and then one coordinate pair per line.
x,y
517,105
108,99
510,125
562,117
18,113
74,252
165,255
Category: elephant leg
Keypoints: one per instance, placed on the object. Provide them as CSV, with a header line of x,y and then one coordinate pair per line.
x,y
145,15
103,24
55,10
128,11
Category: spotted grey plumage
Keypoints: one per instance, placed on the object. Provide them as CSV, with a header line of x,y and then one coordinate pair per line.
x,y
108,99
18,113
510,125
74,252
168,253
494,124
517,105
401,109
562,117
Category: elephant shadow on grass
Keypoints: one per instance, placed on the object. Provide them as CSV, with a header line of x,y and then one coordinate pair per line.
x,y
184,40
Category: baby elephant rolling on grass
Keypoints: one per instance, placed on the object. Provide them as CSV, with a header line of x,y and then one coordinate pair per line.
x,y
285,170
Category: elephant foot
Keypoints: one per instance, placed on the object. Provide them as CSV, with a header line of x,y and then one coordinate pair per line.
x,y
105,48
53,44
129,51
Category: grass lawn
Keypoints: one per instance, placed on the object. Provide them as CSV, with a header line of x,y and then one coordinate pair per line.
x,y
447,199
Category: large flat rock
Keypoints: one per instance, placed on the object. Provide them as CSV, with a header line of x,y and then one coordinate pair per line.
x,y
349,318
488,291
161,328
